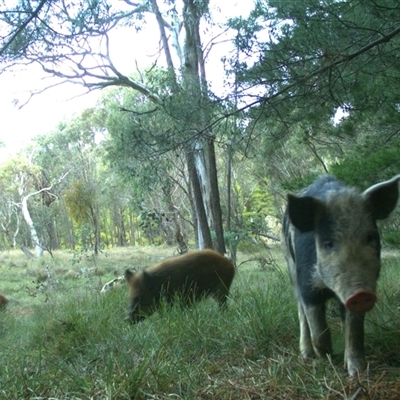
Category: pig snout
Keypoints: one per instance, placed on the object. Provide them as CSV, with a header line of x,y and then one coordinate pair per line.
x,y
361,301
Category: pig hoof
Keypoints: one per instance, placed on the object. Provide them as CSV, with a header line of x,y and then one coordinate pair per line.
x,y
354,368
308,354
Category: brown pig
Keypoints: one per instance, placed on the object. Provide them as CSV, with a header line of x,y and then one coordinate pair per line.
x,y
190,277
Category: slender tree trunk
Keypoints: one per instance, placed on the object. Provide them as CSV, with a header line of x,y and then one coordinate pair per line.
x,y
131,229
52,234
231,241
215,198
203,229
96,230
31,226
229,189
71,233
121,229
193,211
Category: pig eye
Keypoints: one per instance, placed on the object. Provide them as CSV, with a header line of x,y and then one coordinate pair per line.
x,y
371,239
328,245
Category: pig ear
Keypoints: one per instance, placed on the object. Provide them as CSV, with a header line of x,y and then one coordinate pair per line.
x,y
148,280
383,197
303,212
128,274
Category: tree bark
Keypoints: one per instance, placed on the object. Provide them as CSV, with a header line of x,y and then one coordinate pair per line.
x,y
96,229
27,217
203,229
194,82
215,198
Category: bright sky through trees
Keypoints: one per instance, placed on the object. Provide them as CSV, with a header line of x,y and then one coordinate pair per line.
x,y
45,110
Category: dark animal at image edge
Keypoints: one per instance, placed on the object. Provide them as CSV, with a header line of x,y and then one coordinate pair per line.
x,y
189,277
3,302
332,247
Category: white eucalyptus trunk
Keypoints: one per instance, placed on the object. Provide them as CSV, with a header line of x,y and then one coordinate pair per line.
x,y
27,217
201,169
14,238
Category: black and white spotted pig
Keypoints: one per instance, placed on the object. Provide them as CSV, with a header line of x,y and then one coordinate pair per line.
x,y
332,247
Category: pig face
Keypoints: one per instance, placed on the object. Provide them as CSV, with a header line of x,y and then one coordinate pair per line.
x,y
348,250
143,295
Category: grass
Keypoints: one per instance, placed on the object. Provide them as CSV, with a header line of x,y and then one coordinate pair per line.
x,y
61,339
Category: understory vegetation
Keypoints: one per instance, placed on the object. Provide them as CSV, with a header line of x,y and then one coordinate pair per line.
x,y
61,339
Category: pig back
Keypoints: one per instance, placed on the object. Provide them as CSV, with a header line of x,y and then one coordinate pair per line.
x,y
205,270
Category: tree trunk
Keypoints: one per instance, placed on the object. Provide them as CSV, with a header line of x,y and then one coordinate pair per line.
x,y
53,242
204,179
202,171
121,229
215,198
96,230
203,229
195,84
31,226
131,229
231,240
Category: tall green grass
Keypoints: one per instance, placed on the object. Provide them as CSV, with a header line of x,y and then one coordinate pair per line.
x,y
74,343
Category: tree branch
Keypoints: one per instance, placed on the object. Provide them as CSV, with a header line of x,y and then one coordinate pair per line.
x,y
342,60
23,26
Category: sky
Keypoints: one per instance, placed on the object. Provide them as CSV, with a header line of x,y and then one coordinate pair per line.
x,y
44,111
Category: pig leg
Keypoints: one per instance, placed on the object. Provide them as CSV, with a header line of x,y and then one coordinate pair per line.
x,y
315,336
306,347
354,357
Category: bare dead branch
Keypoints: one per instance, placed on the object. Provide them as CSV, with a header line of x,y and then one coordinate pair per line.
x,y
47,189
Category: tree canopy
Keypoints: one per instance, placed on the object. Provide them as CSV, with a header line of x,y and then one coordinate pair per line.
x,y
311,62
315,57
310,88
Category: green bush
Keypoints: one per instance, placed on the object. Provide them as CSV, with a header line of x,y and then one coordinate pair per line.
x,y
391,238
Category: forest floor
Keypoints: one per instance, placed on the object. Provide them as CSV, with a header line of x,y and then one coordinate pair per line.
x,y
61,339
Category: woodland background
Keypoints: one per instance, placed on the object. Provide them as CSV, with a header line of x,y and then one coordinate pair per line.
x,y
171,156
311,87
